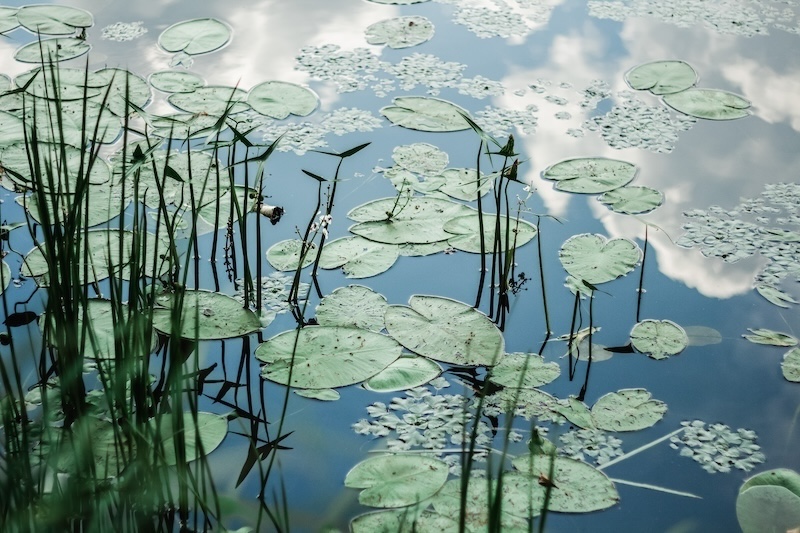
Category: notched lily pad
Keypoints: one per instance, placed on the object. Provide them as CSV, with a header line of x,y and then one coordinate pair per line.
x,y
355,306
711,104
590,175
791,365
46,50
205,315
632,200
53,19
358,257
404,374
524,370
595,259
659,338
196,36
465,232
176,81
662,77
400,32
627,410
425,113
397,480
285,255
279,99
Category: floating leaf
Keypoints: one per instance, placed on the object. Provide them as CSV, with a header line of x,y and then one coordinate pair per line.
x,y
659,338
285,255
205,315
212,100
8,19
176,81
791,365
196,36
279,99
445,330
104,330
421,158
590,175
325,395
631,200
397,480
461,183
403,521
711,104
767,336
119,88
519,500
355,306
423,249
576,412
594,259
413,220
406,181
775,296
358,257
424,113
183,126
769,501
404,374
524,370
400,32
527,403
466,232
662,77
53,19
320,357
198,437
47,50
627,410
576,487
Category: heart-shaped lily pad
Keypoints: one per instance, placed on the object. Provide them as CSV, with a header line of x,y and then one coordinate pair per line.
x,y
594,259
400,32
354,306
404,374
590,175
205,315
397,480
466,232
627,410
630,200
662,77
425,113
279,99
659,338
524,370
196,36
358,257
711,104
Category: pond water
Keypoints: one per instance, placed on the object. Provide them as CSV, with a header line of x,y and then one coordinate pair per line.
x,y
555,75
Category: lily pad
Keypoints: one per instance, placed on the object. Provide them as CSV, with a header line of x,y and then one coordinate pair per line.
x,y
53,19
425,113
524,370
767,507
576,486
662,77
199,437
594,259
212,100
400,32
772,338
445,330
279,99
775,296
627,410
103,330
196,36
466,232
404,374
659,338
421,250
518,496
354,306
421,158
711,104
413,220
8,19
285,255
118,89
630,200
397,480
320,357
176,81
358,257
576,412
590,175
47,50
461,184
402,521
406,182
791,365
205,315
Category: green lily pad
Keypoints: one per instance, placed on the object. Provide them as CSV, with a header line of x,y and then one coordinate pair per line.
x,y
711,104
461,184
47,50
425,113
791,365
768,508
404,374
358,257
215,214
5,276
659,338
627,410
527,403
183,126
69,83
466,232
176,81
68,158
518,496
523,370
772,338
397,480
53,19
779,477
402,521
8,19
632,200
400,32
590,175
103,447
594,259
406,182
285,255
325,395
104,330
326,356
196,36
775,296
118,89
211,100
205,315
445,330
355,306
662,77
576,412
199,437
421,158
279,99
414,220
576,486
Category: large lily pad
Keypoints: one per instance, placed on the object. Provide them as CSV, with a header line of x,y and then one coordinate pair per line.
x,y
711,104
627,410
400,32
285,255
404,374
354,306
358,257
320,357
769,501
53,19
524,370
595,259
662,77
212,100
279,99
590,175
445,330
791,365
519,498
196,36
466,232
175,81
630,200
205,315
47,50
659,338
397,480
425,113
